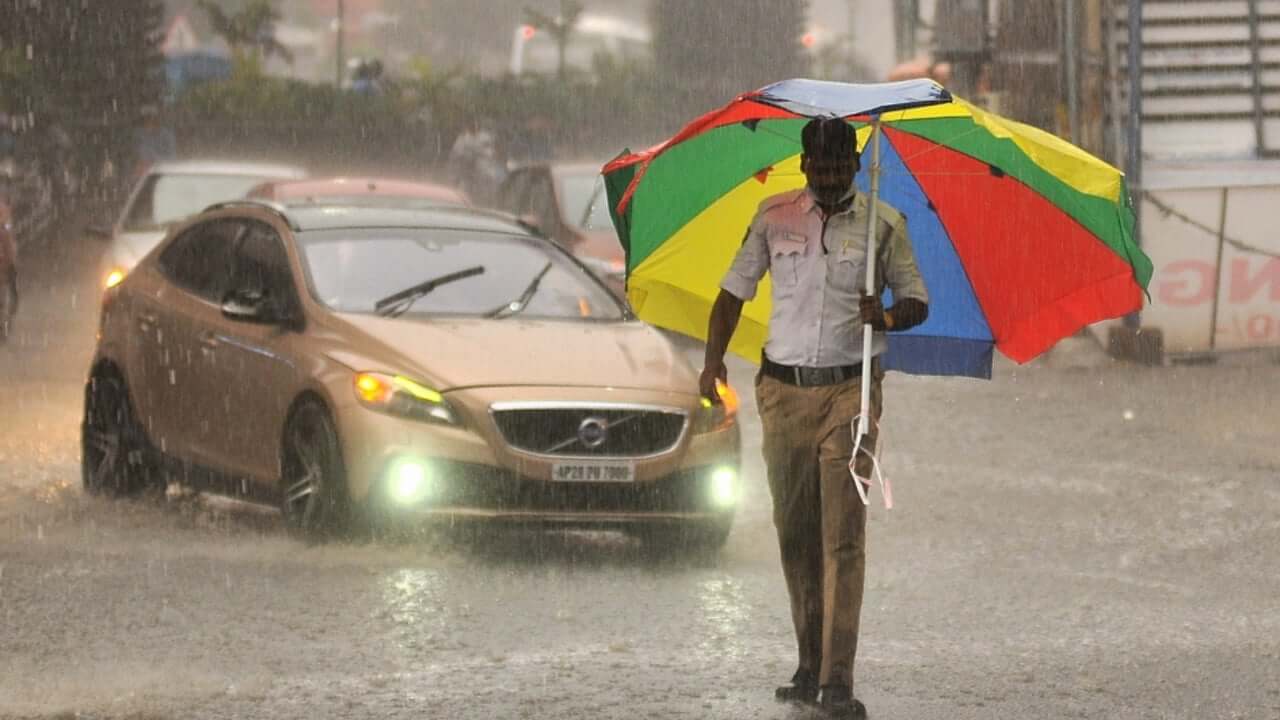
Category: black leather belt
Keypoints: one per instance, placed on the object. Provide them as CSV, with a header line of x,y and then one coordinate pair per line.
x,y
809,376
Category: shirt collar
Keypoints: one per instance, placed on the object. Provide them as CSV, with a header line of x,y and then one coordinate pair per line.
x,y
810,204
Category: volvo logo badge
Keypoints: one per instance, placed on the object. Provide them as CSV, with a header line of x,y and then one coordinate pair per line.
x,y
592,432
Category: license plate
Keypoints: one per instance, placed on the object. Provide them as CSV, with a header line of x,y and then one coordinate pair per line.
x,y
593,472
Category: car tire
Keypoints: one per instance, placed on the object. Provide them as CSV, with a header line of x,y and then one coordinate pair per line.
x,y
314,498
696,538
115,457
8,305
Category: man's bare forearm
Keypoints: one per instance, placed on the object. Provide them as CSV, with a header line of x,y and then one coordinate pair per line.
x,y
907,313
724,320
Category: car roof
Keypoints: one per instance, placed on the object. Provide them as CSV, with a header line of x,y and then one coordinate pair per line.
x,y
312,215
227,167
317,189
576,168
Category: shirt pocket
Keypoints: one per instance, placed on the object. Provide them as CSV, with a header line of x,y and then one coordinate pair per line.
x,y
786,253
848,272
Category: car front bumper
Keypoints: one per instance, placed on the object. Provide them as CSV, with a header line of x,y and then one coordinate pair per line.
x,y
470,472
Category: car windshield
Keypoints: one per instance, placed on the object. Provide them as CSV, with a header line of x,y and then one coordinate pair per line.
x,y
585,203
169,197
351,269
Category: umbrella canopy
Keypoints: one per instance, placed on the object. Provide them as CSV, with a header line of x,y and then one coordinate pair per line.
x,y
1022,238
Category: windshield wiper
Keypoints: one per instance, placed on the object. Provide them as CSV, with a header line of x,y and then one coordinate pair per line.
x,y
396,305
511,308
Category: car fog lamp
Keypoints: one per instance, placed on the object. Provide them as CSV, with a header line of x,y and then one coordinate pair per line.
x,y
410,482
724,487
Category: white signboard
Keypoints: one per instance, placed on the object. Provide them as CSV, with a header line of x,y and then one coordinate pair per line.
x,y
1206,294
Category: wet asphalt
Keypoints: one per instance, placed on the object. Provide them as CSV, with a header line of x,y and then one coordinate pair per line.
x,y
1074,539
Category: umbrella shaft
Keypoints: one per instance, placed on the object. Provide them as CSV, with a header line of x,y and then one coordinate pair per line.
x,y
874,141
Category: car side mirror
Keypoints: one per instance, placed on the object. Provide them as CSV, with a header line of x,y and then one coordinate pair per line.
x,y
252,307
102,232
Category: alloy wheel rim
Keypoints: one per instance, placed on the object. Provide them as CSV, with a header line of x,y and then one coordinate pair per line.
x,y
103,434
302,490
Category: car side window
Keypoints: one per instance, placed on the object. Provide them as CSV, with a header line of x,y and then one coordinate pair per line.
x,y
542,203
200,260
512,197
261,264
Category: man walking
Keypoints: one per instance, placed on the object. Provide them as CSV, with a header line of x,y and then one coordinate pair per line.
x,y
813,243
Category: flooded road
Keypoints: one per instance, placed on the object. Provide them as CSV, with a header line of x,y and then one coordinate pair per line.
x,y
1068,542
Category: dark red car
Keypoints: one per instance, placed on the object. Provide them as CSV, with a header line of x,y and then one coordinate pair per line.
x,y
567,202
8,269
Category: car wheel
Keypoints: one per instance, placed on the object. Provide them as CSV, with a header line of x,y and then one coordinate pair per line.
x,y
8,305
114,454
315,501
696,538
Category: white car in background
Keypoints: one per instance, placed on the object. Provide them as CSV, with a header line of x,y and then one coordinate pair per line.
x,y
172,191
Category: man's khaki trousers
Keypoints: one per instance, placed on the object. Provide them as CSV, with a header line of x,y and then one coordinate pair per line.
x,y
821,521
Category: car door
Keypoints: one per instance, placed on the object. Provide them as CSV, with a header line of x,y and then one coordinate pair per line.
x,y
512,197
173,316
250,370
543,207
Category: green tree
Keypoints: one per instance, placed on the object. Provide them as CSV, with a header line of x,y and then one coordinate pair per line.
x,y
709,51
252,29
84,71
560,27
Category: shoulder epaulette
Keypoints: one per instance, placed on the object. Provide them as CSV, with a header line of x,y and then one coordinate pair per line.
x,y
782,198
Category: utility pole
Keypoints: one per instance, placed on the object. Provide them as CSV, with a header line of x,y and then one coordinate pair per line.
x,y
906,16
963,43
1130,340
1133,166
1071,66
339,27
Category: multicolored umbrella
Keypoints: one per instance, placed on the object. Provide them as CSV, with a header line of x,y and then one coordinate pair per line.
x,y
1022,238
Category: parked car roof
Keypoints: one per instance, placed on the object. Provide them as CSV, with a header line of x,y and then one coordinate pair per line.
x,y
228,167
318,189
384,212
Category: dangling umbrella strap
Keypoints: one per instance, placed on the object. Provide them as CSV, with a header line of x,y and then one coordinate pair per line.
x,y
862,483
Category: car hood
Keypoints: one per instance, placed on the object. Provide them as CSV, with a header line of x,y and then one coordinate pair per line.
x,y
129,248
461,353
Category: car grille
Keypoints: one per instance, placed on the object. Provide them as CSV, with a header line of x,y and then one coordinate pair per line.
x,y
590,432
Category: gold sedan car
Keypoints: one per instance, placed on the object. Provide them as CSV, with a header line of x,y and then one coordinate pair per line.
x,y
363,366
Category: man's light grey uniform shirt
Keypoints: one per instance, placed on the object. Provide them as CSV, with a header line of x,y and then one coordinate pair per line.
x,y
815,321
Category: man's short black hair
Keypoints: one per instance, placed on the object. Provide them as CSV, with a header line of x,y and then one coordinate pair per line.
x,y
829,137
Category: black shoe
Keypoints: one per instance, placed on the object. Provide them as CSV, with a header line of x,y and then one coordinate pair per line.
x,y
803,688
838,702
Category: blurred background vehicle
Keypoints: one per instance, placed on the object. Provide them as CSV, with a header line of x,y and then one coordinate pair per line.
x,y
171,191
359,362
339,189
536,46
567,202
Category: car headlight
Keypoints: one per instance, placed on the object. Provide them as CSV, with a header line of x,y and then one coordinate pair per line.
x,y
717,416
398,395
114,278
